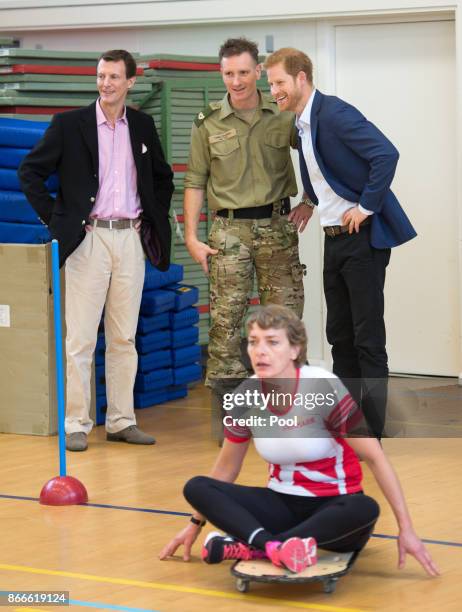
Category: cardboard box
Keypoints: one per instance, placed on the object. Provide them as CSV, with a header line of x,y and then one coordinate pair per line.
x,y
27,346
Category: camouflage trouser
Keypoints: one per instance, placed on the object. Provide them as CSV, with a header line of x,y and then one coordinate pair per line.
x,y
268,246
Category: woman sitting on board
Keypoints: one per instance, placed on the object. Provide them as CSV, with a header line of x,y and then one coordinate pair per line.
x,y
314,495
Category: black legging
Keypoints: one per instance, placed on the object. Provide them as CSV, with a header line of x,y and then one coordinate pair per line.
x,y
343,523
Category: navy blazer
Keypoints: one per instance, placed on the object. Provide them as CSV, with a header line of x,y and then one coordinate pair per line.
x,y
70,146
359,163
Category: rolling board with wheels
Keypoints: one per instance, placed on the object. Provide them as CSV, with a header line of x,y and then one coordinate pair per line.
x,y
330,567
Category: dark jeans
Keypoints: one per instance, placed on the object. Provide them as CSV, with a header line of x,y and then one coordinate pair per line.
x,y
354,279
343,523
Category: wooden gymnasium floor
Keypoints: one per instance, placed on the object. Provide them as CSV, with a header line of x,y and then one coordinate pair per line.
x,y
105,553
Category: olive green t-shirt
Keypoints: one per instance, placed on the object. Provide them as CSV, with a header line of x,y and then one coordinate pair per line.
x,y
241,164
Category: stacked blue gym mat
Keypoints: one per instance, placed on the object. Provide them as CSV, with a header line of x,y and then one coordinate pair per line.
x,y
18,220
166,340
167,337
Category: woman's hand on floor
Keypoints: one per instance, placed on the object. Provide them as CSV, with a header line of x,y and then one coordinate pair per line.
x,y
186,538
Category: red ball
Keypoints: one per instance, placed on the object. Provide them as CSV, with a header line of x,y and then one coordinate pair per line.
x,y
63,491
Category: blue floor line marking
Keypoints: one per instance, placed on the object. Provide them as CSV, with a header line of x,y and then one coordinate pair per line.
x,y
19,497
425,540
105,606
172,513
132,509
107,506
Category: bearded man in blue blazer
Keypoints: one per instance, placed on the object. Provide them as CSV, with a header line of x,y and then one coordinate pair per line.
x,y
347,166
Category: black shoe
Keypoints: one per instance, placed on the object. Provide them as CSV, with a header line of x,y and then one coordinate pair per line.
x,y
218,548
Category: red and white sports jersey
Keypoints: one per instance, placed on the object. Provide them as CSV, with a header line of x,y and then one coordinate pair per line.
x,y
305,452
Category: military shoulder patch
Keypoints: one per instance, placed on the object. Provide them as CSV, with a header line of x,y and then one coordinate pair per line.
x,y
213,106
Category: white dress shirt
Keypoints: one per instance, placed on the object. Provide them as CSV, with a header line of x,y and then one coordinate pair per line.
x,y
331,207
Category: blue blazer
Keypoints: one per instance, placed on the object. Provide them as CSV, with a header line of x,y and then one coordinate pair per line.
x,y
359,163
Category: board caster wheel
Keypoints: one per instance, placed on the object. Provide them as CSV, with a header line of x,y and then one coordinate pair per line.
x,y
329,586
242,585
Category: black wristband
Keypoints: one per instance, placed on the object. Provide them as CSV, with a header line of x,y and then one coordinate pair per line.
x,y
197,522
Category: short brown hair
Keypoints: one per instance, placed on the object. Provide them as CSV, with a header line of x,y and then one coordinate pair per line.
x,y
117,55
293,60
281,317
237,46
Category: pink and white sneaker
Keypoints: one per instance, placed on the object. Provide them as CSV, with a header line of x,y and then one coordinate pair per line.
x,y
295,554
218,548
311,549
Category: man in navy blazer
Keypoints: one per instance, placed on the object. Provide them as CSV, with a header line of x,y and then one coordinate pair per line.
x,y
112,173
347,166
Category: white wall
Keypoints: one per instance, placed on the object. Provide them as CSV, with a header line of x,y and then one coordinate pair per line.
x,y
401,76
24,14
190,40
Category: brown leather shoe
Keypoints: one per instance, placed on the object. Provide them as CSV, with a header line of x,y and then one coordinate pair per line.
x,y
131,435
76,441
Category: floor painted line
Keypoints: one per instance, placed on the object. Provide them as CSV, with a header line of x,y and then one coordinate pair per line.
x,y
134,509
107,506
172,513
176,588
19,497
106,606
424,540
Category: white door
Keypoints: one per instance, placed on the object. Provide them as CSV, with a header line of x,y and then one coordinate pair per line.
x,y
402,77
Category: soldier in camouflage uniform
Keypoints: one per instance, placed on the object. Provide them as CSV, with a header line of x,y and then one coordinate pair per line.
x,y
240,155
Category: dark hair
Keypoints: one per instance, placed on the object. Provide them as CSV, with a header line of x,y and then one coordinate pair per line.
x,y
281,317
117,55
237,46
293,60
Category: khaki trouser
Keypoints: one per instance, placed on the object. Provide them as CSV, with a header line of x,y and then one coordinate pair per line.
x,y
106,269
268,246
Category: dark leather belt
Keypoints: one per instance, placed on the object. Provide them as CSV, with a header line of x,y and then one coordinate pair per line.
x,y
256,212
113,223
338,230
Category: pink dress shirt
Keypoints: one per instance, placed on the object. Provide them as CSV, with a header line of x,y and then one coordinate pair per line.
x,y
117,196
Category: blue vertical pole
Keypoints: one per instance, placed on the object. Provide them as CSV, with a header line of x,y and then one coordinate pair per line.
x,y
59,354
